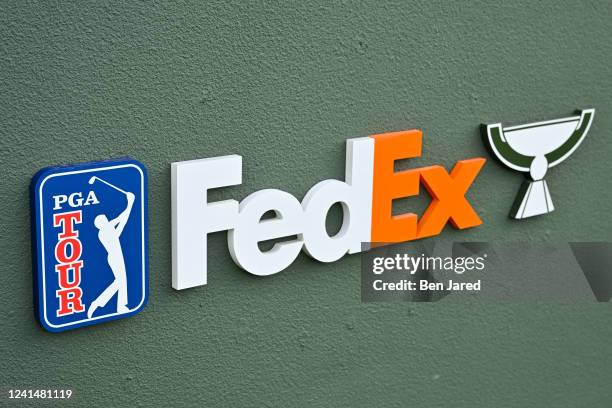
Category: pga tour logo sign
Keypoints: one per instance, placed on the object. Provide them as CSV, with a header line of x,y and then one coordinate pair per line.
x,y
90,225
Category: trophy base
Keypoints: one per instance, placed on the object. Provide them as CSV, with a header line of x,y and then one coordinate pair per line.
x,y
533,199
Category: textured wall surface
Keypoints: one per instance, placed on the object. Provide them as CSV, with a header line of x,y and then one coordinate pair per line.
x,y
285,86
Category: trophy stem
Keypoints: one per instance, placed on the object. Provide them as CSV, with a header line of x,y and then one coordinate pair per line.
x,y
533,199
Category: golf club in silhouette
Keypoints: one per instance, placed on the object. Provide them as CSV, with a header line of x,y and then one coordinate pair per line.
x,y
108,234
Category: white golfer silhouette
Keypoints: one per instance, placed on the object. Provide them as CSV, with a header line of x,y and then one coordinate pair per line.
x,y
108,234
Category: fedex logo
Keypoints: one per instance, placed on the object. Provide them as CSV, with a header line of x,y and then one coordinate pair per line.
x,y
366,195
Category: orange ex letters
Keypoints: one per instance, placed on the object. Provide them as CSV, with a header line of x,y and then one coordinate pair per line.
x,y
366,197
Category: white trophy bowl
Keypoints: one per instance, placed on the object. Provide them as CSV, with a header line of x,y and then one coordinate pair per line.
x,y
538,139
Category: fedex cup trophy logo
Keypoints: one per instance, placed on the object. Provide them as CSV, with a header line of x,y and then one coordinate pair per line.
x,y
534,148
89,225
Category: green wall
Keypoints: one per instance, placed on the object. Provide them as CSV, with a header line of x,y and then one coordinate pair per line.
x,y
285,85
